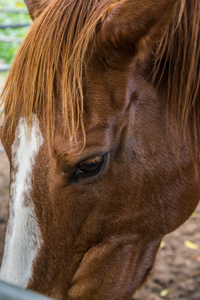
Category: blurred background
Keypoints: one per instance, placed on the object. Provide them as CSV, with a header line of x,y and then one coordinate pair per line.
x,y
177,269
14,22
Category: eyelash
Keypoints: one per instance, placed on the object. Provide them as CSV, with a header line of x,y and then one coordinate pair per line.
x,y
89,167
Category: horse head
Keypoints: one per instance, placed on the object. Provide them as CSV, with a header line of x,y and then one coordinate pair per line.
x,y
101,168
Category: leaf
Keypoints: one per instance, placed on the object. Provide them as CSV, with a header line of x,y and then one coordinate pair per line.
x,y
164,293
162,245
19,4
191,245
194,215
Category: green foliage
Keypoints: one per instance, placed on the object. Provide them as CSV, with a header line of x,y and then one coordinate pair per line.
x,y
7,49
12,4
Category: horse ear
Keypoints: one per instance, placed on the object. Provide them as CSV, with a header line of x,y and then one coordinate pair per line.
x,y
35,7
131,24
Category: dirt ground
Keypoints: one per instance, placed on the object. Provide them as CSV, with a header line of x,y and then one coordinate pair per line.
x,y
177,269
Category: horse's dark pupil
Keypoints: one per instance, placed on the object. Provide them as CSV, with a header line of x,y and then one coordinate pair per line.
x,y
90,166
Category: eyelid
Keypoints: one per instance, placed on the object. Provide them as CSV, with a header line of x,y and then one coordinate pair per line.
x,y
69,161
92,160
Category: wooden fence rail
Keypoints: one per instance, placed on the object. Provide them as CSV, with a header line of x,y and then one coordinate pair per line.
x,y
5,67
13,10
18,25
5,39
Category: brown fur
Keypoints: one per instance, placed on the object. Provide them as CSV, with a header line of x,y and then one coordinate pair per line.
x,y
114,72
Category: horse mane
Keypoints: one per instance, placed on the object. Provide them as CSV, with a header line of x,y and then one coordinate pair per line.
x,y
57,47
179,52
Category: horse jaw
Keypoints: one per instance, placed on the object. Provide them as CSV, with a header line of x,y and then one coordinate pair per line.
x,y
23,238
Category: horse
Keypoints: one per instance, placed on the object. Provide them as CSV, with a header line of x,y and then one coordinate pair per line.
x,y
101,128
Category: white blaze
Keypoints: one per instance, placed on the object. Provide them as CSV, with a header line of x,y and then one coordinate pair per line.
x,y
23,238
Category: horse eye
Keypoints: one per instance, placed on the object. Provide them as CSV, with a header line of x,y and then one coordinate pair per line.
x,y
89,167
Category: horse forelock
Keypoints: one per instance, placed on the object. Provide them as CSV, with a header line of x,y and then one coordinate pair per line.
x,y
55,49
